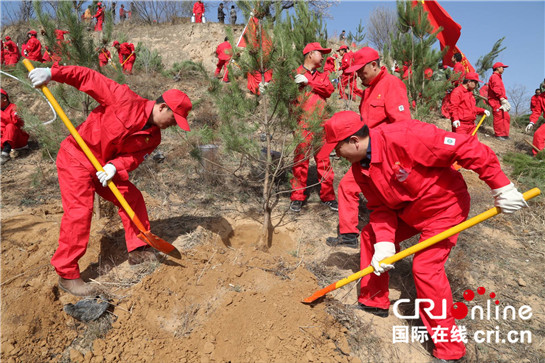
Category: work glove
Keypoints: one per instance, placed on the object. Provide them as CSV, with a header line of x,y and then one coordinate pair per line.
x,y
487,113
508,198
529,127
263,87
506,105
300,78
382,250
40,76
456,124
107,174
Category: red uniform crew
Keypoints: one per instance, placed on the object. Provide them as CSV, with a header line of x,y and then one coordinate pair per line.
x,y
198,11
404,171
463,109
11,52
99,17
539,135
126,54
33,48
12,133
458,73
347,78
121,133
224,52
534,101
316,89
498,101
104,57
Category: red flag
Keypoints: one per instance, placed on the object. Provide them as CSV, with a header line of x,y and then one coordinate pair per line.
x,y
251,34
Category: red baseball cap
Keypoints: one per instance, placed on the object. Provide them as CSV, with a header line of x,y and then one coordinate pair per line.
x,y
362,57
32,32
115,43
499,64
315,46
342,47
180,104
342,125
8,37
472,76
3,92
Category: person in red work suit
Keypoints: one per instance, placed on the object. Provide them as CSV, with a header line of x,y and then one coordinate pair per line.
x,y
12,133
33,48
224,51
99,16
198,11
539,135
463,109
347,79
534,101
121,133
458,73
104,56
11,53
404,170
498,101
383,101
126,54
316,88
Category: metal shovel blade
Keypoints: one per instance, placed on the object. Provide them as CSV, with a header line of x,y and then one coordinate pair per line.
x,y
159,244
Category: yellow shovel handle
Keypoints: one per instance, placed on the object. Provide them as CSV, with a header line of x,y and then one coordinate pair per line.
x,y
478,125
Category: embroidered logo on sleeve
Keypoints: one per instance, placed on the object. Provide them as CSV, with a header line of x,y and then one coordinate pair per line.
x,y
450,141
401,108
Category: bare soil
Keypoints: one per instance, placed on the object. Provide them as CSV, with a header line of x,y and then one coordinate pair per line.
x,y
225,300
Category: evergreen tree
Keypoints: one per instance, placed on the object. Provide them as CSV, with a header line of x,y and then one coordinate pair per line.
x,y
484,64
263,130
412,47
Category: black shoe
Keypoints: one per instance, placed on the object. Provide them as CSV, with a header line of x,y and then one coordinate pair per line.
x,y
343,240
382,313
296,205
332,204
502,138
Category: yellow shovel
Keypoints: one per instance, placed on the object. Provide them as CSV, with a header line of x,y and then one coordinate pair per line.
x,y
146,236
418,247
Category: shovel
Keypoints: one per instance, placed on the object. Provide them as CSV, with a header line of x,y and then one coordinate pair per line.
x,y
146,236
416,248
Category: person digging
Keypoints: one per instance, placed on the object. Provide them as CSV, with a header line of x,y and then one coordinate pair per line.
x,y
121,133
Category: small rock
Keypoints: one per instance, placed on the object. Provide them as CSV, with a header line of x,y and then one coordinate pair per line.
x,y
521,282
208,348
75,356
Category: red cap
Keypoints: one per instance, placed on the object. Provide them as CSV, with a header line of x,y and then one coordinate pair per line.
x,y
180,104
342,125
361,58
115,43
8,37
472,76
3,92
32,32
99,4
342,47
499,64
315,46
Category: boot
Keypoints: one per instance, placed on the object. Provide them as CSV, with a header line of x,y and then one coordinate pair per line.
x,y
77,287
141,255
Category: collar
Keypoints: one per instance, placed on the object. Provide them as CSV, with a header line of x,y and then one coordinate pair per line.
x,y
308,70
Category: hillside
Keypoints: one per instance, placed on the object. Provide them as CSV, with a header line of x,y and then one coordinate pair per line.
x,y
224,300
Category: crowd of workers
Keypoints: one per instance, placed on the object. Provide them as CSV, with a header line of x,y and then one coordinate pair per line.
x,y
403,167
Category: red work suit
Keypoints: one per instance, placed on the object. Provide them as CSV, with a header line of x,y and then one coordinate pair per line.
x,y
496,90
11,53
534,102
348,79
100,18
12,128
223,52
312,103
456,78
329,66
104,57
539,135
463,108
255,78
34,49
126,50
116,132
411,188
198,10
384,101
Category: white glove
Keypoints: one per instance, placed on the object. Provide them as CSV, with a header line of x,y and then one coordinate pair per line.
x,y
487,113
508,198
193,14
262,86
300,78
382,250
505,104
529,127
107,174
40,76
456,124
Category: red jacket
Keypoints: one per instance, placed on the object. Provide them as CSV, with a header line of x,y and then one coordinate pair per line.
x,y
463,105
224,51
410,174
59,34
34,49
458,72
534,102
9,116
125,50
114,131
11,55
385,100
496,89
347,62
539,109
99,14
318,89
198,7
104,56
15,135
329,66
